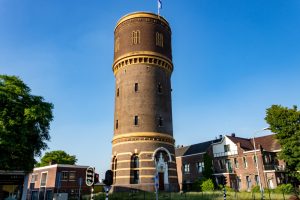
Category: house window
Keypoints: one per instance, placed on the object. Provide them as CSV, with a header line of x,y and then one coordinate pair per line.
x,y
228,166
226,148
136,120
256,179
186,168
64,176
160,121
136,87
255,160
135,37
72,176
44,179
34,178
159,88
245,162
118,92
200,166
222,164
236,163
159,39
249,184
117,124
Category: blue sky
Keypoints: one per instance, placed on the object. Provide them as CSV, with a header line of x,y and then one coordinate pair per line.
x,y
232,59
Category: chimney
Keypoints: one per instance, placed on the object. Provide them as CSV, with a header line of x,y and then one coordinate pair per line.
x,y
220,136
232,134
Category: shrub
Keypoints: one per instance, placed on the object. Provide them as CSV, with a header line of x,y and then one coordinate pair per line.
x,y
207,185
255,189
285,188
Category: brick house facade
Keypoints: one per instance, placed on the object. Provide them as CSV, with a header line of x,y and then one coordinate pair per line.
x,y
44,182
235,158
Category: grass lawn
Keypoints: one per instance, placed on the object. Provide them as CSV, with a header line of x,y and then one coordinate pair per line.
x,y
217,195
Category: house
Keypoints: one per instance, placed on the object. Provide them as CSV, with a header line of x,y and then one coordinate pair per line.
x,y
190,162
59,179
243,164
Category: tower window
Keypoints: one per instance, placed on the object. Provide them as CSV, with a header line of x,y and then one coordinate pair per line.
x,y
135,37
160,121
117,124
159,88
118,92
136,87
117,44
136,120
159,39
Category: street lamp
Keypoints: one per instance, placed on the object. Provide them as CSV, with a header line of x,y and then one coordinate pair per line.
x,y
257,161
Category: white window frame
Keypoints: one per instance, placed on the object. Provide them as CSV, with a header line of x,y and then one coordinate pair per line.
x,y
45,180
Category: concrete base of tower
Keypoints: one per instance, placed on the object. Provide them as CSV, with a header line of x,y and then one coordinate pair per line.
x,y
171,187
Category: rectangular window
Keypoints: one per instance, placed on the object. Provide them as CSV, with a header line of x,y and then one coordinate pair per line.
x,y
117,124
34,178
236,163
136,87
200,166
186,168
159,88
160,121
64,175
222,164
228,166
226,148
136,120
256,180
118,92
249,184
245,162
255,160
44,179
72,176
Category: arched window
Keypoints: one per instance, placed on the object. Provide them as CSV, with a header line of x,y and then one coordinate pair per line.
x,y
159,39
134,170
114,168
136,37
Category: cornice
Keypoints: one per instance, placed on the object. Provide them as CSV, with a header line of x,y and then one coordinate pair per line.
x,y
142,15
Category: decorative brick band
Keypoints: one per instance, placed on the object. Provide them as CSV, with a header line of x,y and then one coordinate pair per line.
x,y
143,136
155,59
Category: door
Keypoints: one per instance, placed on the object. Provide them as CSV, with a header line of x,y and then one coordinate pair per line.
x,y
161,181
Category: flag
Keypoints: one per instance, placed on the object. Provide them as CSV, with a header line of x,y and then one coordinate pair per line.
x,y
159,4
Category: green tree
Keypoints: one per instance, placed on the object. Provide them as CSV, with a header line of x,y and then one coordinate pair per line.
x,y
24,124
208,168
57,157
285,122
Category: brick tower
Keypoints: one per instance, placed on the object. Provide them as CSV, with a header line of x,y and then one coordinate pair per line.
x,y
143,144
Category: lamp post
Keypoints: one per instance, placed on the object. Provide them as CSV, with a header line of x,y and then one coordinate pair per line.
x,y
257,162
